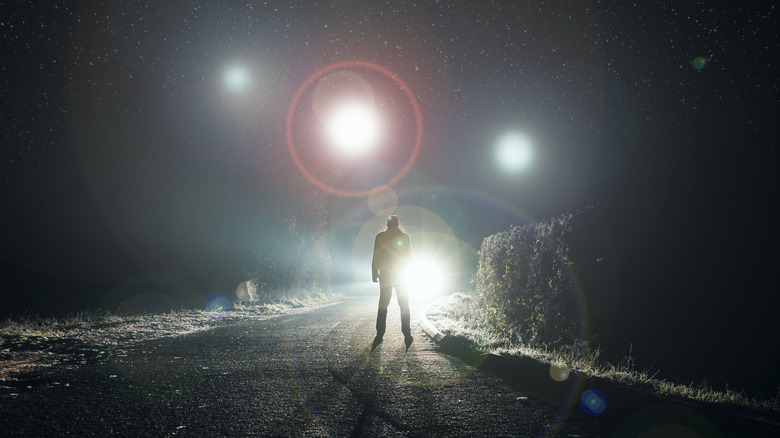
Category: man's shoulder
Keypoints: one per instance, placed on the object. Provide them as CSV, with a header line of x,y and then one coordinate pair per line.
x,y
391,233
395,232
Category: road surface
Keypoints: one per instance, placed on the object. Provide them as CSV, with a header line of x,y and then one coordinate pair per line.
x,y
305,374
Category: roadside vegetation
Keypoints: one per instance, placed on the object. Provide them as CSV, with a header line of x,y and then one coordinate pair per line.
x,y
528,301
33,342
459,316
287,265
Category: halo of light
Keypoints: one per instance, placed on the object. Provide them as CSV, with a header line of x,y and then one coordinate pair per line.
x,y
424,194
514,152
424,276
236,78
344,224
489,201
431,237
382,200
353,128
534,107
336,88
338,66
194,106
370,174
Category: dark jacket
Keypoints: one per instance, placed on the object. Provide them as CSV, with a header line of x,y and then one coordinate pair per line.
x,y
391,250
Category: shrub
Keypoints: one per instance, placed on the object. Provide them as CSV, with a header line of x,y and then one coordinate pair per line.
x,y
528,286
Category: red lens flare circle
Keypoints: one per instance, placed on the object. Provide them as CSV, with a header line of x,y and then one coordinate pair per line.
x,y
344,65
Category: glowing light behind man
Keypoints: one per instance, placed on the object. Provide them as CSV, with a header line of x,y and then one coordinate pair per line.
x,y
424,277
435,266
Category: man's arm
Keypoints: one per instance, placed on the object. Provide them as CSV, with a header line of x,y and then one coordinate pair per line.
x,y
374,267
407,248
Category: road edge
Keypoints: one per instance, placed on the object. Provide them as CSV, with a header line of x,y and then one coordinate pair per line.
x,y
623,401
429,328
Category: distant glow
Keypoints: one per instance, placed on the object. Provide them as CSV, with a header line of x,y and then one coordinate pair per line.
x,y
353,128
237,78
514,152
424,276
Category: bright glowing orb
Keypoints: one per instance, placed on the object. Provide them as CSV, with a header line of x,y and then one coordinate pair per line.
x,y
514,152
237,78
353,128
424,276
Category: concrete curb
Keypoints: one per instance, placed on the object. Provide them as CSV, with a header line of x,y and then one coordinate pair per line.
x,y
622,401
429,328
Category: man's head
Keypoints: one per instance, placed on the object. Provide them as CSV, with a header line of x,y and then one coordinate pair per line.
x,y
392,221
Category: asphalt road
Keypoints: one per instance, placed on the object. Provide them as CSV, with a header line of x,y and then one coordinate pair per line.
x,y
305,374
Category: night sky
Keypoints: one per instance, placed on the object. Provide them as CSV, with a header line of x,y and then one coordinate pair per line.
x,y
159,138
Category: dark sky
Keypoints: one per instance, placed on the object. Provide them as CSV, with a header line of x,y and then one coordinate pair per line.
x,y
125,152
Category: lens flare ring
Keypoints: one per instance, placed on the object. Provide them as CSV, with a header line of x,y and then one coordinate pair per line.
x,y
321,73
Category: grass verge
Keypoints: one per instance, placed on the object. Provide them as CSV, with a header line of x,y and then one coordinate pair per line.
x,y
458,318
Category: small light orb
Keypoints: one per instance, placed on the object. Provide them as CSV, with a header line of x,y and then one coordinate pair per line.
x,y
514,152
699,63
593,401
217,305
559,373
353,128
237,78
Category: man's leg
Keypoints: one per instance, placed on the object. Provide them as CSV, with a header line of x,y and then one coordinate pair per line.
x,y
406,317
385,293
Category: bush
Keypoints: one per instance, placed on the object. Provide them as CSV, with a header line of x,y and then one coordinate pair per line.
x,y
528,286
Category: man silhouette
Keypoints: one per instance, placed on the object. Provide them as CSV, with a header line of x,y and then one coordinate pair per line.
x,y
392,249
